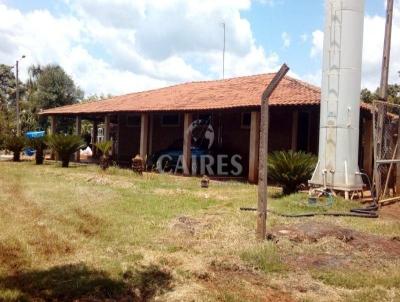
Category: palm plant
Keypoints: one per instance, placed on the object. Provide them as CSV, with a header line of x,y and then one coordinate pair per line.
x,y
65,146
15,144
104,147
290,169
39,144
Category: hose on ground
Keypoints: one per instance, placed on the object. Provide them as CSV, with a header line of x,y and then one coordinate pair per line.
x,y
352,213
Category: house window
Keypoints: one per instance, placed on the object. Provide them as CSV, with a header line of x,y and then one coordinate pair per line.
x,y
133,121
245,120
170,120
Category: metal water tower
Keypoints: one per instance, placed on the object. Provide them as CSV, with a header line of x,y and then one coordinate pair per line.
x,y
337,167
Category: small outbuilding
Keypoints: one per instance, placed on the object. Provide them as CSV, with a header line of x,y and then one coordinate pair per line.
x,y
151,121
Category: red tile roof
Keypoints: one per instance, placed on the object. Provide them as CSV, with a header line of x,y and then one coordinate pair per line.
x,y
208,95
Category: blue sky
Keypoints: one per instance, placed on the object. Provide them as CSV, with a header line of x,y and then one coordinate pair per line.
x,y
111,46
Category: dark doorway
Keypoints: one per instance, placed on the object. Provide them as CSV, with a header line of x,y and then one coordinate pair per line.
x,y
303,132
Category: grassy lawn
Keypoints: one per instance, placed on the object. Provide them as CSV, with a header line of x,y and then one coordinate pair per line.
x,y
83,234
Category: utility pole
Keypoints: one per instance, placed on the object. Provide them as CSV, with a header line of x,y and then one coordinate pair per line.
x,y
223,52
383,91
263,153
383,94
17,96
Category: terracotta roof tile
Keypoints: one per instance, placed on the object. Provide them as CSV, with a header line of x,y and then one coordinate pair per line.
x,y
221,94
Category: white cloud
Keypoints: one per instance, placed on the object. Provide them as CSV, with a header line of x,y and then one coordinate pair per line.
x,y
317,43
286,40
136,45
374,28
304,38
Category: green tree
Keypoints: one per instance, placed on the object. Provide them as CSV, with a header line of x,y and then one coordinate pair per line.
x,y
48,87
368,96
7,99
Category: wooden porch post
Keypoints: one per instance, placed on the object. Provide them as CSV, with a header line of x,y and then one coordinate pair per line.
x,y
151,127
94,139
187,140
368,147
254,146
53,126
78,127
107,127
144,134
295,126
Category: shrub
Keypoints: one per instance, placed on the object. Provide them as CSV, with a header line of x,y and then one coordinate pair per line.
x,y
65,146
39,144
290,169
15,144
104,147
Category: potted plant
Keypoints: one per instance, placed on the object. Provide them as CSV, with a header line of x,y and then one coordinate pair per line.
x,y
65,146
104,147
15,144
290,169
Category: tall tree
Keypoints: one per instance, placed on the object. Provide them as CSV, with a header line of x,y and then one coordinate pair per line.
x,y
8,98
48,87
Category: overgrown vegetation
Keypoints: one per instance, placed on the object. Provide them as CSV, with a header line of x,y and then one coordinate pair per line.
x,y
104,147
65,146
39,144
15,144
290,169
80,235
265,257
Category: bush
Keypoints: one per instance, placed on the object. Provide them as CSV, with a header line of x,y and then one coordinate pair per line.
x,y
39,144
104,147
15,144
65,146
290,169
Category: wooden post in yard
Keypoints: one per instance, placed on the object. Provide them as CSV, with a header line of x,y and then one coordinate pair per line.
x,y
263,153
383,91
78,127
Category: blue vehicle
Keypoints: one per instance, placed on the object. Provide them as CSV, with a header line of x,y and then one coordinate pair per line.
x,y
32,135
169,157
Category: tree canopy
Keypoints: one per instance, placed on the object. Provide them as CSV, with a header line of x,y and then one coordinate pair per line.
x,y
47,87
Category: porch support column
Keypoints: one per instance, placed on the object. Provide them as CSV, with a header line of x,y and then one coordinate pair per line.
x,y
368,146
187,140
151,128
78,127
144,135
295,126
107,127
254,146
53,126
94,139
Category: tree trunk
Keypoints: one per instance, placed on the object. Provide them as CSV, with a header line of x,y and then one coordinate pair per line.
x,y
39,157
65,162
16,156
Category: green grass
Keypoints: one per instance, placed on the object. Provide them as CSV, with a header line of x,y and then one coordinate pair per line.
x,y
265,257
82,233
360,278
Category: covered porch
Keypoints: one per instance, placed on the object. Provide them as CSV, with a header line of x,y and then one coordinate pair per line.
x,y
235,132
